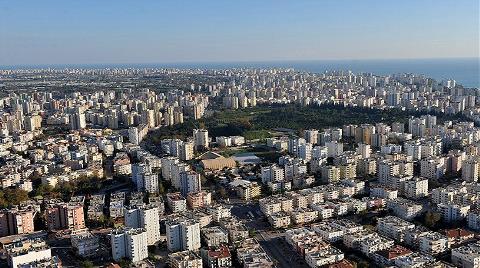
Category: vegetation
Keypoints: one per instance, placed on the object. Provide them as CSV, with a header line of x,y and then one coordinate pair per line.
x,y
256,122
432,219
87,264
12,197
68,189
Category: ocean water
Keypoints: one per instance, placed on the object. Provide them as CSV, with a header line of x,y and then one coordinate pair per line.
x,y
466,71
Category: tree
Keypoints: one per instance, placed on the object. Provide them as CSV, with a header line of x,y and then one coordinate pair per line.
x,y
124,263
432,219
161,188
363,264
87,264
222,192
12,197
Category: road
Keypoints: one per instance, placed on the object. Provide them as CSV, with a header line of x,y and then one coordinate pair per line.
x,y
273,242
277,248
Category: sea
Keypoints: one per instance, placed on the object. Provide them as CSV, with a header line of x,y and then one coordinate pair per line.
x,y
466,71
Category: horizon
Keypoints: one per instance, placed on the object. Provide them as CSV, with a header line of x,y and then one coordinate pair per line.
x,y
226,62
464,70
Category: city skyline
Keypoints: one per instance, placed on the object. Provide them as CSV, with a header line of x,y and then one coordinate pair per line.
x,y
120,32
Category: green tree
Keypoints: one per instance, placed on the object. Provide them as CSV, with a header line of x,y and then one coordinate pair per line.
x,y
222,192
87,264
432,219
12,197
363,264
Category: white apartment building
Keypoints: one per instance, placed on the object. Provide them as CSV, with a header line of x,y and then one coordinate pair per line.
x,y
334,148
433,167
177,170
383,192
473,219
146,217
85,244
364,150
328,232
176,202
453,212
185,259
375,243
433,243
27,251
470,170
404,208
167,164
272,173
394,227
129,243
330,174
304,151
323,257
416,188
200,139
190,182
467,256
182,234
311,136
214,236
387,169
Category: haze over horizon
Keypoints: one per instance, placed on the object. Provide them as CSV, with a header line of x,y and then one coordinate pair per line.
x,y
123,32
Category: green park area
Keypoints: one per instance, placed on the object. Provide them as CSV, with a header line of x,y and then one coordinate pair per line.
x,y
257,123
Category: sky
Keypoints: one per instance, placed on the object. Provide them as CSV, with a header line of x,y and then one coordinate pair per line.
x,y
120,31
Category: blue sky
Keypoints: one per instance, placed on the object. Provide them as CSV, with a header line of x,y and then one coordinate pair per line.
x,y
117,31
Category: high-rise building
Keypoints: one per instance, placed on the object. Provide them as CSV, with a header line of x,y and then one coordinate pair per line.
x,y
150,183
77,120
470,170
138,170
16,221
186,151
364,150
311,136
190,182
146,217
182,234
65,216
129,243
200,139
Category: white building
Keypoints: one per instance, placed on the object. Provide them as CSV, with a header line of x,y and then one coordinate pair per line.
x,y
453,212
467,256
364,150
272,173
185,259
146,217
200,139
24,252
433,167
473,219
323,257
182,234
85,244
433,243
416,188
470,170
394,227
176,202
311,136
334,148
190,182
129,243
